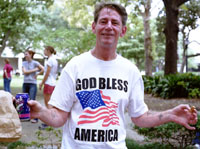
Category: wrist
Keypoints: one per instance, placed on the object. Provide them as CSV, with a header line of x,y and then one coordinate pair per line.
x,y
169,115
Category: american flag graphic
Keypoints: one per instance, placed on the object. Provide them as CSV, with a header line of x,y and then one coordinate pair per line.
x,y
97,107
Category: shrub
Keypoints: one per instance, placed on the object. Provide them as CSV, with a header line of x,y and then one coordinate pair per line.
x,y
173,86
171,134
131,144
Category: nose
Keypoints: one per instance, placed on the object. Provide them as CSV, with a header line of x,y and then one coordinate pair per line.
x,y
109,25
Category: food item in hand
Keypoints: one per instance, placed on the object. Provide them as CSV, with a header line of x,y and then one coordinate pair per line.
x,y
192,109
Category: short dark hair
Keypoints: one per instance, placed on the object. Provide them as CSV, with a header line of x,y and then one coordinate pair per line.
x,y
117,7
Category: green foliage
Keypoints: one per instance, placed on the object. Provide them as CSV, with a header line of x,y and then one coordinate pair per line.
x,y
15,145
51,135
173,86
16,16
194,93
171,134
131,144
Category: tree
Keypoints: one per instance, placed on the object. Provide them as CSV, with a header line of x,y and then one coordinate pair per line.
x,y
171,34
147,37
189,14
15,17
131,46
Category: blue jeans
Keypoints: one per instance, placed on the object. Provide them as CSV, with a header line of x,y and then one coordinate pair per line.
x,y
31,89
7,84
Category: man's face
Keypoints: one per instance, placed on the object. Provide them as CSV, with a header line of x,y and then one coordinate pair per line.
x,y
108,27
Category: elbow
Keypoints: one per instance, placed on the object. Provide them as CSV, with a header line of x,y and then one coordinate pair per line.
x,y
58,125
142,122
42,70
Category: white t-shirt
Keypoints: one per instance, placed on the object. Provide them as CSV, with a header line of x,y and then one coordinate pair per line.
x,y
51,62
97,93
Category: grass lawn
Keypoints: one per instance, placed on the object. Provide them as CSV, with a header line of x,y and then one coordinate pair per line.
x,y
16,86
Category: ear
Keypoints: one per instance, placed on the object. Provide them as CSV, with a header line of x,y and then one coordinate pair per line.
x,y
124,28
94,27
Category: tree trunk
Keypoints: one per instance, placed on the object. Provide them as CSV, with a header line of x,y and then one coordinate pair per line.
x,y
185,47
147,39
171,33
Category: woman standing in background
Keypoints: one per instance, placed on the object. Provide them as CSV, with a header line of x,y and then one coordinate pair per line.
x,y
50,75
7,75
31,69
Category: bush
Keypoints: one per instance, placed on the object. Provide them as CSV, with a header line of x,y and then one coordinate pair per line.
x,y
131,144
171,134
173,86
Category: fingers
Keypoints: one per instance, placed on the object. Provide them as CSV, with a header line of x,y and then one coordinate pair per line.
x,y
13,98
32,103
190,127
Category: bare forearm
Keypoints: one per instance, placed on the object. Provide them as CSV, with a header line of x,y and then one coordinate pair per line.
x,y
53,117
46,74
152,119
181,114
41,68
45,78
29,71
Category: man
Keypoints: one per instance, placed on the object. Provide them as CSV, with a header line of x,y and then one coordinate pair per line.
x,y
97,87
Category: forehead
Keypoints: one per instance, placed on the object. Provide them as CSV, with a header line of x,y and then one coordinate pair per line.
x,y
109,13
27,53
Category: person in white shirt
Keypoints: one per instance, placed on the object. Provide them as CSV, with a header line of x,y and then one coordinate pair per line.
x,y
97,87
50,75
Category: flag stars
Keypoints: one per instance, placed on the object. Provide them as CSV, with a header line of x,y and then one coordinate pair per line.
x,y
90,99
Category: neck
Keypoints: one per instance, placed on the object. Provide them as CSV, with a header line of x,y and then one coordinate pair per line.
x,y
49,55
104,53
29,60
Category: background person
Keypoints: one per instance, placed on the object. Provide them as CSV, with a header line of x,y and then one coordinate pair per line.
x,y
31,69
50,75
7,76
97,87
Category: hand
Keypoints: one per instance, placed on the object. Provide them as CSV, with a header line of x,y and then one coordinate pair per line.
x,y
40,85
35,108
35,76
183,115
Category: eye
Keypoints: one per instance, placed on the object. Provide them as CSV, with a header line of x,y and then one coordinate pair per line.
x,y
103,22
115,23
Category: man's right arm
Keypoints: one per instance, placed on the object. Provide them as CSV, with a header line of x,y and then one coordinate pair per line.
x,y
52,117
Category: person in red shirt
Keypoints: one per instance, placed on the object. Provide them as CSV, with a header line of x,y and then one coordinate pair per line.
x,y
7,75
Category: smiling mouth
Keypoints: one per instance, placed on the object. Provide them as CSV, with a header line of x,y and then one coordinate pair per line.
x,y
107,35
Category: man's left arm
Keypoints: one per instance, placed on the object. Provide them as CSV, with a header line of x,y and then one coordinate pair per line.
x,y
181,114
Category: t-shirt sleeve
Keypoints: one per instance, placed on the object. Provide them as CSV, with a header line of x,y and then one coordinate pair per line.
x,y
50,62
23,64
137,106
63,95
